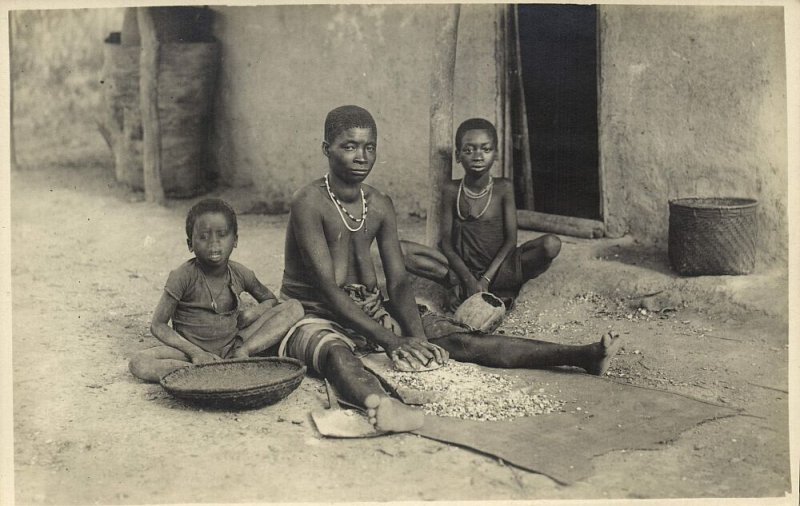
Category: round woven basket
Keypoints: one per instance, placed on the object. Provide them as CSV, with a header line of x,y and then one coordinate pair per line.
x,y
236,384
712,236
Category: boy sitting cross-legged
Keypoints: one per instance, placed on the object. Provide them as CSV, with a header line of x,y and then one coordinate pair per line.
x,y
333,222
478,249
201,297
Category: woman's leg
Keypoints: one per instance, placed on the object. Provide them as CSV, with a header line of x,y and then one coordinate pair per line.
x,y
360,387
516,352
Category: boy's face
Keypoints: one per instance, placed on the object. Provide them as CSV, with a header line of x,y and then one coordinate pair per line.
x,y
212,239
351,154
477,152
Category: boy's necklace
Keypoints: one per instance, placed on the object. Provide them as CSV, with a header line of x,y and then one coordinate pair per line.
x,y
476,195
340,207
211,293
461,189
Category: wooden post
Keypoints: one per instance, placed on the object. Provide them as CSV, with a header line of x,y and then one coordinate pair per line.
x,y
521,128
501,92
441,133
148,89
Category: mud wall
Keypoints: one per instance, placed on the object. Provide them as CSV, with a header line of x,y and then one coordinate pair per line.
x,y
693,103
284,67
56,58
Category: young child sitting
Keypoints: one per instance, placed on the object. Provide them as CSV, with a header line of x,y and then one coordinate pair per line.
x,y
201,298
478,249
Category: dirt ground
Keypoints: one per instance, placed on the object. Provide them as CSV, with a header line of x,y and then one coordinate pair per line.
x,y
89,261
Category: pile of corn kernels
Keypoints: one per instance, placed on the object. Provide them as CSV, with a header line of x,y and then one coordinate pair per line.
x,y
464,391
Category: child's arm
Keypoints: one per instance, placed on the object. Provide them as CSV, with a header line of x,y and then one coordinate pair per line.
x,y
457,264
261,294
160,328
506,192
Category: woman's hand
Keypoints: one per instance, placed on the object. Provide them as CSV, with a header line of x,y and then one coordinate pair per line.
x,y
415,353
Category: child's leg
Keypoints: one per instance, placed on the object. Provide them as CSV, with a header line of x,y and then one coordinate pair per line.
x,y
268,329
425,262
516,352
360,387
538,254
153,364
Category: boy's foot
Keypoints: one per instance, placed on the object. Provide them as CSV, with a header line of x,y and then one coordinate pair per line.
x,y
609,346
391,415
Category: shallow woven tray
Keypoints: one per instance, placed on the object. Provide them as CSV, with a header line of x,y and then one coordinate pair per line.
x,y
236,384
712,236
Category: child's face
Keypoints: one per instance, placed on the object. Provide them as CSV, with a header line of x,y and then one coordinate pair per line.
x,y
351,154
213,239
477,153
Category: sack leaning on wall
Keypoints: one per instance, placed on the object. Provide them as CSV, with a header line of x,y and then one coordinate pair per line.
x,y
187,76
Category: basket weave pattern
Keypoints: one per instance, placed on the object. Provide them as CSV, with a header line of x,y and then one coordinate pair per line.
x,y
712,236
272,379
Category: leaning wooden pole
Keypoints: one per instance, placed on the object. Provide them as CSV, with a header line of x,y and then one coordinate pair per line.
x,y
441,133
148,92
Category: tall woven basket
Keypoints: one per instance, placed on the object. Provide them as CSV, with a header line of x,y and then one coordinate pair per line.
x,y
712,236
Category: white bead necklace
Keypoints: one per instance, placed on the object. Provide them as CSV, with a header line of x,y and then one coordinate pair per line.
x,y
340,207
473,195
476,195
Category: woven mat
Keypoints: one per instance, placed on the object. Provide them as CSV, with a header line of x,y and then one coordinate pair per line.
x,y
613,417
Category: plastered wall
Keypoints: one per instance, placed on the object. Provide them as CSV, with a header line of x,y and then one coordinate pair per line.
x,y
284,67
693,103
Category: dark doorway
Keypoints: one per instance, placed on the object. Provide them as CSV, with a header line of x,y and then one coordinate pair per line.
x,y
558,64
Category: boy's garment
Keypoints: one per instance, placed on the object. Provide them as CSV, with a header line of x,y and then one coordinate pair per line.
x,y
305,339
195,317
477,242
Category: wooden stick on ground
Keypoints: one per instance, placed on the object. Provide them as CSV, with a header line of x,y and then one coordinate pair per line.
x,y
441,141
556,224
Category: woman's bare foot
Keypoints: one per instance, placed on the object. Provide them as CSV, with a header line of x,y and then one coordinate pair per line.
x,y
391,415
609,346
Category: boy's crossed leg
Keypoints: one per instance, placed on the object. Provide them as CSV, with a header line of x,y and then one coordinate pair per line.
x,y
426,262
264,326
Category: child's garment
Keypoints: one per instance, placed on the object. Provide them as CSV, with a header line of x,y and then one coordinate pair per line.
x,y
477,242
196,318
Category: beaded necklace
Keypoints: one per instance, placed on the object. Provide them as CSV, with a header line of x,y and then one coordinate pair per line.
x,y
211,293
473,195
340,207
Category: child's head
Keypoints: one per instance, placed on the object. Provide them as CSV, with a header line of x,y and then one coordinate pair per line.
x,y
347,117
476,145
350,143
475,124
211,230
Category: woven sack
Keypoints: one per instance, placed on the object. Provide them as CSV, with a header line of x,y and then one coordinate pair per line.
x,y
482,311
712,236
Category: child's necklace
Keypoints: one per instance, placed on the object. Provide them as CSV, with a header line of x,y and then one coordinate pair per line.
x,y
472,195
476,195
211,293
340,207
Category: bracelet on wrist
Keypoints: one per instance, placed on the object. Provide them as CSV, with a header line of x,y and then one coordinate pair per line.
x,y
487,279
